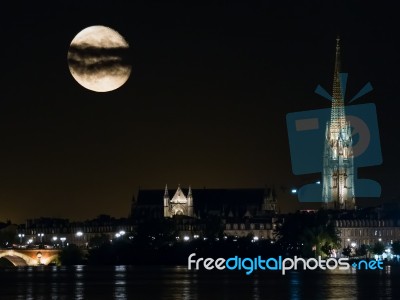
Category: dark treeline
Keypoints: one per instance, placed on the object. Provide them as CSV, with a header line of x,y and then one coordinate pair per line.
x,y
125,251
157,242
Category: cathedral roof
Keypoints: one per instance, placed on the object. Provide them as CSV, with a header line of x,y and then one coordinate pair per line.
x,y
234,201
179,196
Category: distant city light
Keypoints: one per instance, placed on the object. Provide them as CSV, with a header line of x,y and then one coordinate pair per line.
x,y
186,238
353,244
255,238
196,236
294,191
318,182
117,235
55,238
121,232
79,233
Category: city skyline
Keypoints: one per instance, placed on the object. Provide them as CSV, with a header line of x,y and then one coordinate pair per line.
x,y
205,104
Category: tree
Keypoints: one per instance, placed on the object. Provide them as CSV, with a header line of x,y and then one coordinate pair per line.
x,y
362,250
301,233
71,255
347,251
378,248
396,248
99,240
8,233
214,227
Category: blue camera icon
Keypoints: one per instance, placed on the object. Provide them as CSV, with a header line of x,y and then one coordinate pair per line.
x,y
306,132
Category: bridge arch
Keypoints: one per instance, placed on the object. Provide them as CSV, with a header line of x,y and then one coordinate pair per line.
x,y
29,257
18,259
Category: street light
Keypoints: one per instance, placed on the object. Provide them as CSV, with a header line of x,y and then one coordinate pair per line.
x,y
41,237
20,235
62,239
79,233
353,244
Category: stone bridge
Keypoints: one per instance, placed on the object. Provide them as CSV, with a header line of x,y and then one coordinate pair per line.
x,y
29,257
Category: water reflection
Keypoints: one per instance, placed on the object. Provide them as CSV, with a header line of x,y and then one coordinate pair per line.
x,y
54,291
29,286
120,283
294,283
79,291
256,289
177,283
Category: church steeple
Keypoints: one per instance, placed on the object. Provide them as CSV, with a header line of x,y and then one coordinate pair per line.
x,y
190,202
270,200
166,194
338,119
338,168
166,202
190,191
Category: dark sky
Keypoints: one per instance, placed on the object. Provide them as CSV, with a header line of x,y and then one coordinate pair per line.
x,y
205,105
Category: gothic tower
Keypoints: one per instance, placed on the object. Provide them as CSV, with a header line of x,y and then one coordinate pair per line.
x,y
270,203
190,202
166,202
338,169
179,205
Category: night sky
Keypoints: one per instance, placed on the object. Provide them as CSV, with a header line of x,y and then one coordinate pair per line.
x,y
205,105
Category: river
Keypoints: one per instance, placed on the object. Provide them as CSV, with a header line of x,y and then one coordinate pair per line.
x,y
178,283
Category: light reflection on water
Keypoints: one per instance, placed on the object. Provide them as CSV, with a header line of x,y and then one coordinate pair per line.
x,y
294,286
120,283
79,283
177,283
54,282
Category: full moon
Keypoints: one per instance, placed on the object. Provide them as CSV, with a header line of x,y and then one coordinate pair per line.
x,y
98,59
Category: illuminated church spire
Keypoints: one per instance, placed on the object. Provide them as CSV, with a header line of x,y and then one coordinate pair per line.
x,y
338,119
338,169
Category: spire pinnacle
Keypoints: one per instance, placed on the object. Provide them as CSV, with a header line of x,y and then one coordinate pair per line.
x,y
337,113
166,194
190,191
337,61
